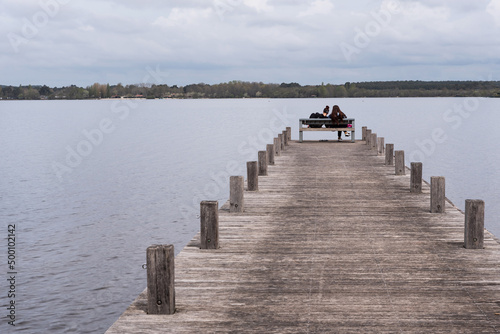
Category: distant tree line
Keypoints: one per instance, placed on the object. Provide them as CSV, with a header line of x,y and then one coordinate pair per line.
x,y
241,89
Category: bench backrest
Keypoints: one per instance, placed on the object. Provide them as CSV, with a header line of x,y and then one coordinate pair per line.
x,y
313,121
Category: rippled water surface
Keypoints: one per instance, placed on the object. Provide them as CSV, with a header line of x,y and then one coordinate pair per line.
x,y
89,185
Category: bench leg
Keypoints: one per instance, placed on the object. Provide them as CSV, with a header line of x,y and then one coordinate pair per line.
x,y
352,136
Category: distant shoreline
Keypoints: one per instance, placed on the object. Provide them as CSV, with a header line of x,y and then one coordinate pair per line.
x,y
252,98
240,89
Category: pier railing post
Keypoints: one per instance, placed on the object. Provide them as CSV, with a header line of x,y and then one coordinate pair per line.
x,y
400,163
363,133
160,279
252,176
281,141
270,153
285,138
289,133
209,225
437,194
262,158
373,142
474,224
380,145
277,146
368,137
416,177
236,191
389,154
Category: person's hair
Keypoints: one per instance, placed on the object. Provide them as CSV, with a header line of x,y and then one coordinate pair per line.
x,y
336,108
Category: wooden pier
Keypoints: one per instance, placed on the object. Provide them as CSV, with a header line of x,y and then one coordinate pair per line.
x,y
333,241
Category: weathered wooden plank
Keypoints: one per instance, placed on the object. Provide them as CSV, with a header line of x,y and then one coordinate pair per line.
x,y
332,242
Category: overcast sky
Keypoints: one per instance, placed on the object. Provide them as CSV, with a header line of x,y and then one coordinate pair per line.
x,y
64,42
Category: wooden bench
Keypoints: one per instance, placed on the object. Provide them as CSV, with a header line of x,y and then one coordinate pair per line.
x,y
347,124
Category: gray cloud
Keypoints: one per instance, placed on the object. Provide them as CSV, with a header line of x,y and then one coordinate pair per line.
x,y
65,42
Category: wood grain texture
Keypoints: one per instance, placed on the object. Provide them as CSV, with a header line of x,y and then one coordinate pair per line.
x,y
262,159
333,242
209,224
373,141
236,193
474,224
416,177
438,194
160,279
389,154
277,147
399,165
368,139
270,153
252,176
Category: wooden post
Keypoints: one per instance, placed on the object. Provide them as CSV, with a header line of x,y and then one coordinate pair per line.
x,y
282,141
416,177
285,138
373,142
270,153
289,134
380,145
363,133
252,176
209,225
160,279
236,191
277,147
368,137
262,158
474,224
400,163
437,194
389,154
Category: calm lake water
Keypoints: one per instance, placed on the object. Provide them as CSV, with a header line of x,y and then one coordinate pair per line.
x,y
89,185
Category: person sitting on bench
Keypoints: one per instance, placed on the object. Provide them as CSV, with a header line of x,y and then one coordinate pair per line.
x,y
337,116
326,111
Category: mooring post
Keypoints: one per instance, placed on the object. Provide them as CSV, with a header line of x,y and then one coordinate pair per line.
x,y
252,176
380,145
236,191
270,153
363,133
289,134
282,141
474,224
400,163
262,158
209,225
416,177
285,138
368,137
389,154
160,279
373,142
437,194
277,146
